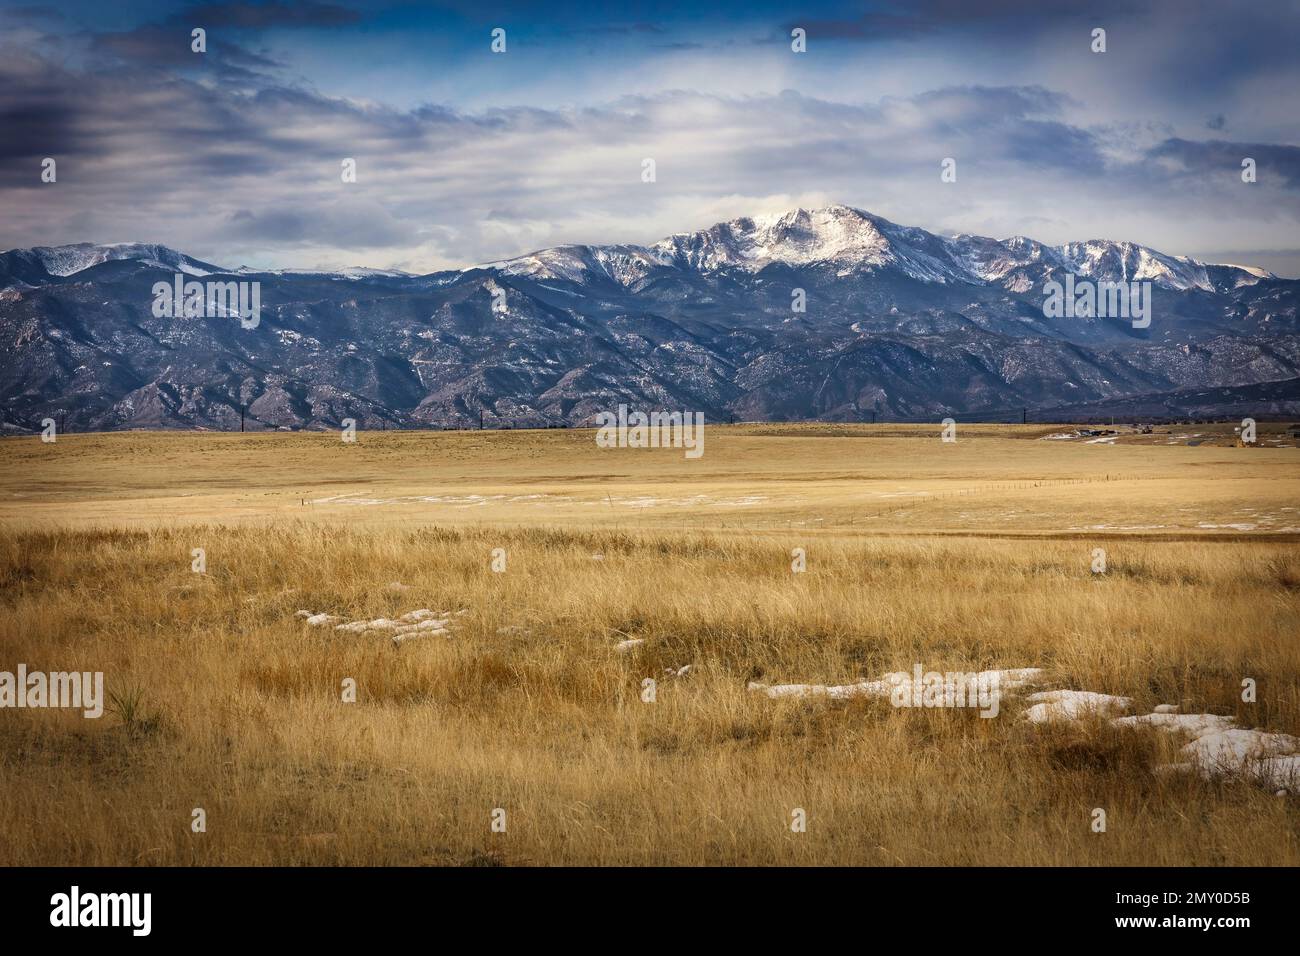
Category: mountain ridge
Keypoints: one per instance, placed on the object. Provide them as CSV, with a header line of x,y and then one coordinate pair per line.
x,y
706,249
922,254
895,322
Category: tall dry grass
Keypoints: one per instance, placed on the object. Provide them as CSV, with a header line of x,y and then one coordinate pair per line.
x,y
225,701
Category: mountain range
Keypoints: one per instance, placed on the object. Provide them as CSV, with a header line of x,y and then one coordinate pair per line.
x,y
897,324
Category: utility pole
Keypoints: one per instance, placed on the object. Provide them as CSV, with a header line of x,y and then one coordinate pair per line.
x,y
1024,416
480,419
241,417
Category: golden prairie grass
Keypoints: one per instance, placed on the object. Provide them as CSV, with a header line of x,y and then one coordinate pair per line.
x,y
225,701
811,479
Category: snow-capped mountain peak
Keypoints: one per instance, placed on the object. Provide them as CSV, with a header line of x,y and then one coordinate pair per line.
x,y
624,264
835,234
838,240
1128,262
71,259
850,241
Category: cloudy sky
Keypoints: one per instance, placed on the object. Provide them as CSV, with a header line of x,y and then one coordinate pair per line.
x,y
464,155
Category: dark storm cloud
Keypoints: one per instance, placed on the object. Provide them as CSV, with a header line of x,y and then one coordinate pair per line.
x,y
32,131
131,115
1218,158
169,45
41,113
1011,124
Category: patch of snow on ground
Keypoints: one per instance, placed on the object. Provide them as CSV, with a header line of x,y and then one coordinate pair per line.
x,y
1189,723
419,623
1013,679
1072,705
317,620
1218,748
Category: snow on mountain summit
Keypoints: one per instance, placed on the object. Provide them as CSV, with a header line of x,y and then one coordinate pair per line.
x,y
798,237
624,264
836,239
1127,261
71,259
850,240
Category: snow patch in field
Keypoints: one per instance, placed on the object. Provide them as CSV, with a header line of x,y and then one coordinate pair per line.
x,y
1013,679
419,623
1231,749
317,620
423,614
873,688
436,627
359,627
1194,724
1072,705
1218,748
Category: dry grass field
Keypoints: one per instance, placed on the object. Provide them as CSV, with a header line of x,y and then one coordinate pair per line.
x,y
964,556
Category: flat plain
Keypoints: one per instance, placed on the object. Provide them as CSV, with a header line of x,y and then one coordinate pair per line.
x,y
569,574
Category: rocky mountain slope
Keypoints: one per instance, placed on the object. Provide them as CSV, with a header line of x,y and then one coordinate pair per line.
x,y
899,323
